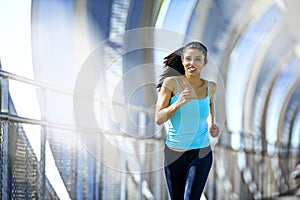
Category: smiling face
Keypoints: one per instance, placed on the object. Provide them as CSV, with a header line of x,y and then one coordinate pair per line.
x,y
193,61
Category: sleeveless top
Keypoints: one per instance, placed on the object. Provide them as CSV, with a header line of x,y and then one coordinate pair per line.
x,y
187,128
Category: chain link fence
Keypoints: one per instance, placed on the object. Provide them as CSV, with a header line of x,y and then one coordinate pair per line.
x,y
20,168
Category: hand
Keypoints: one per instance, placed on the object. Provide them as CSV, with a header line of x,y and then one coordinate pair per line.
x,y
214,130
184,97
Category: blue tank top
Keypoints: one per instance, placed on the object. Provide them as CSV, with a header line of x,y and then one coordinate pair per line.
x,y
187,128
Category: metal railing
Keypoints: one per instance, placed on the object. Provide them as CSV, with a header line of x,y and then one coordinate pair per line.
x,y
85,177
71,163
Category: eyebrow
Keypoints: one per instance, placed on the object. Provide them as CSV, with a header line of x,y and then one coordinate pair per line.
x,y
195,56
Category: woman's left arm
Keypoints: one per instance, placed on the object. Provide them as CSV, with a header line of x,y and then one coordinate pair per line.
x,y
213,128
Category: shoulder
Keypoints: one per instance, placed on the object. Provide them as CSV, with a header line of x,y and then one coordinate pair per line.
x,y
169,84
213,86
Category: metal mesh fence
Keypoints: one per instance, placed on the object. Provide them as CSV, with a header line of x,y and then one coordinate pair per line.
x,y
251,174
87,177
23,164
1,156
242,173
77,167
84,176
22,179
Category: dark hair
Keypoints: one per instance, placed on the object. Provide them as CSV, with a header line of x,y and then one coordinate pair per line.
x,y
172,63
195,45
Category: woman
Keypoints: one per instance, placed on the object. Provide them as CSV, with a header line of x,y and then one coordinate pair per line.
x,y
185,101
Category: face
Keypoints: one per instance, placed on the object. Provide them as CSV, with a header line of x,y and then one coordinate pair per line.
x,y
193,62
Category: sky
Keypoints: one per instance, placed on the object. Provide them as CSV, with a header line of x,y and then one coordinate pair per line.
x,y
16,58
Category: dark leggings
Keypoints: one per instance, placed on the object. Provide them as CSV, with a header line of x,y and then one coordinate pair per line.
x,y
187,172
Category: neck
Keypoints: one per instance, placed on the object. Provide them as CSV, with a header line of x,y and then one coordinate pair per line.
x,y
194,80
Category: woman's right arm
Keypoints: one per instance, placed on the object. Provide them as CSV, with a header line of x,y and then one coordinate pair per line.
x,y
164,111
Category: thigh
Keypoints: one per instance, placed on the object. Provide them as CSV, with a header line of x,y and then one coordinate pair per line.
x,y
197,174
175,173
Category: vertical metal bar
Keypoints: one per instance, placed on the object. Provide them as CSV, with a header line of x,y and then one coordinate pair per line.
x,y
96,180
74,168
142,133
103,184
4,108
158,161
43,161
123,176
76,165
4,94
6,175
41,186
101,170
38,185
158,184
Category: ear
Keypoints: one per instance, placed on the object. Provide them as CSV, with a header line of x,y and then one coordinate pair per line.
x,y
205,61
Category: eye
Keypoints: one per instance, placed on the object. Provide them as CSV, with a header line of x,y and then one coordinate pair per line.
x,y
188,59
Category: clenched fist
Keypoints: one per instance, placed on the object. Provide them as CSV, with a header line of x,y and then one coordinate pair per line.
x,y
214,130
184,97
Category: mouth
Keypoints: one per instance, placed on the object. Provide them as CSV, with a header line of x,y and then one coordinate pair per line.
x,y
192,69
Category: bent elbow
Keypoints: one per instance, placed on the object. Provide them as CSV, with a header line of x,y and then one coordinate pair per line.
x,y
158,121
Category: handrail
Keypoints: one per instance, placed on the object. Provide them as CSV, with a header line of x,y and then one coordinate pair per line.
x,y
28,81
18,119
